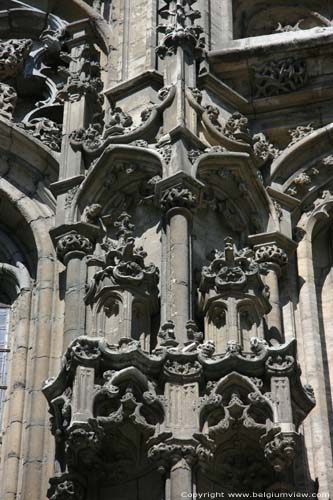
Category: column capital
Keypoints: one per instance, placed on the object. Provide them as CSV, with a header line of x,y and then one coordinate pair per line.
x,y
179,192
74,240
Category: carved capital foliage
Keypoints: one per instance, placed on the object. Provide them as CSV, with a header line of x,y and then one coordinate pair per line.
x,y
271,254
279,77
180,30
178,196
73,245
179,191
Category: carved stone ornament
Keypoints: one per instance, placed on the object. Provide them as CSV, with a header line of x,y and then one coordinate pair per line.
x,y
66,487
85,79
122,263
280,451
73,245
45,130
182,370
193,334
229,269
8,98
302,182
178,196
263,149
287,28
90,137
239,404
13,54
172,451
236,127
299,133
279,77
280,365
180,29
118,122
167,334
271,254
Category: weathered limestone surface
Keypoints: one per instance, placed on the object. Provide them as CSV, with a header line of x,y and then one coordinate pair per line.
x,y
166,198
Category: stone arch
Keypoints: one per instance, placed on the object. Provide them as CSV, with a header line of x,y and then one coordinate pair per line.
x,y
27,258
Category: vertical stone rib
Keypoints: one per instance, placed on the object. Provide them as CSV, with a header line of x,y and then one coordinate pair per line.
x,y
313,366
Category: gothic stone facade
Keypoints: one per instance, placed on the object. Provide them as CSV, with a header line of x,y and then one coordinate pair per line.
x,y
166,256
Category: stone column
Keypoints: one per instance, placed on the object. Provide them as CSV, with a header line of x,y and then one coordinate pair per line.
x,y
73,243
178,196
180,479
179,241
14,426
318,438
272,251
275,259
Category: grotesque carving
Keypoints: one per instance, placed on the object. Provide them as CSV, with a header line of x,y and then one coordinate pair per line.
x,y
299,133
280,451
8,98
13,54
118,122
279,77
167,334
236,127
263,149
45,130
123,263
66,487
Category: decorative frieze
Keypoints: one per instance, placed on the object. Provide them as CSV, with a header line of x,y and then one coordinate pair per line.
x,y
279,77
